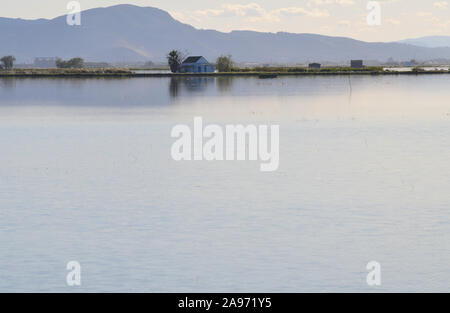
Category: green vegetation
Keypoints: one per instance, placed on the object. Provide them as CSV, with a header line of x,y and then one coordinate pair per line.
x,y
370,69
151,68
174,59
7,62
72,63
224,63
253,72
418,69
71,72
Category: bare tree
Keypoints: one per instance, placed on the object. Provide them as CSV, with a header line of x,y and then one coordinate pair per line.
x,y
224,63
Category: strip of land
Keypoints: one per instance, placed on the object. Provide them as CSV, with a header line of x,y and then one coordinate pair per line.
x,y
261,73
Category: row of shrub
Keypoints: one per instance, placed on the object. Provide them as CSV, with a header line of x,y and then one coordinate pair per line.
x,y
305,69
62,71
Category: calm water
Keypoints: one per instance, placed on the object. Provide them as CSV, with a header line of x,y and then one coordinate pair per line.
x,y
86,175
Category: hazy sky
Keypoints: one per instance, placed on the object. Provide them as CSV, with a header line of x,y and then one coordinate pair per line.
x,y
399,18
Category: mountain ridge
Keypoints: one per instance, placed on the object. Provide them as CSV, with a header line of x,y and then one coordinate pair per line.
x,y
132,33
429,41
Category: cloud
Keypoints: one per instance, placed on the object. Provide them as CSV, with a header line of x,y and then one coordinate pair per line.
x,y
330,2
254,12
301,11
441,5
345,23
393,21
252,9
424,14
400,18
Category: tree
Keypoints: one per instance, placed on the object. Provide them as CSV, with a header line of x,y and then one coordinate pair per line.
x,y
224,63
8,62
72,63
174,59
76,63
149,64
61,64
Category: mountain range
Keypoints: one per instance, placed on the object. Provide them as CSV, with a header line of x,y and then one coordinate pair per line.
x,y
429,42
132,33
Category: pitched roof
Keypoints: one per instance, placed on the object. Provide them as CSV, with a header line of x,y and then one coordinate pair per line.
x,y
192,60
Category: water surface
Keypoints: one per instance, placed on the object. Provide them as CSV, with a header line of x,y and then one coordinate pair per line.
x,y
86,175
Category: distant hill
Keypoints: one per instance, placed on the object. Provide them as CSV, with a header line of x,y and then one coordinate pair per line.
x,y
132,33
429,42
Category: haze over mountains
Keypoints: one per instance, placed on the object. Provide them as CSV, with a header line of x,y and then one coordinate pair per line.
x,y
430,41
132,33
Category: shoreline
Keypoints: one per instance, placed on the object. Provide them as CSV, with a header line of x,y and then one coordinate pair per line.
x,y
232,74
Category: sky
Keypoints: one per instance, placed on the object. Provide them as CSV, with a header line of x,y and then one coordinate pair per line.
x,y
399,19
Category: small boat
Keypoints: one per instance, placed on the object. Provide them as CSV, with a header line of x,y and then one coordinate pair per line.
x,y
266,76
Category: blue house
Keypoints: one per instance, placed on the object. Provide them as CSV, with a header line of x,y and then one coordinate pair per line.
x,y
197,65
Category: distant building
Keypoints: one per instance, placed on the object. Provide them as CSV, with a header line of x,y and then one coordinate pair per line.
x,y
197,64
315,65
410,63
357,63
48,62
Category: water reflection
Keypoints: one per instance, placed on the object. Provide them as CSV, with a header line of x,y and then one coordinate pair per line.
x,y
286,97
198,84
174,87
224,84
86,167
7,83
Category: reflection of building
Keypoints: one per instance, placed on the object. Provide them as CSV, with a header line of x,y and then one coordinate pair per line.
x,y
189,84
196,65
315,65
45,62
357,64
197,83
